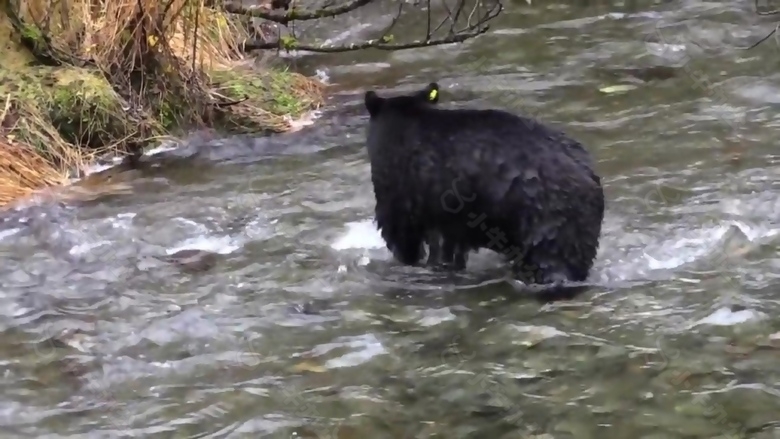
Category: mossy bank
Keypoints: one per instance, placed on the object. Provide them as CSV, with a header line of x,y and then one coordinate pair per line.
x,y
55,120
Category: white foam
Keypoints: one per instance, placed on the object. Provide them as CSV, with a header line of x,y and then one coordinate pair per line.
x,y
346,34
85,248
433,317
159,149
256,229
647,259
323,76
368,347
726,317
194,225
122,221
661,49
360,234
303,121
755,232
10,232
683,250
222,245
94,169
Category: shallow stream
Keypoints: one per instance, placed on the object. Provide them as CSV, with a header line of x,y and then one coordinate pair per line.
x,y
299,324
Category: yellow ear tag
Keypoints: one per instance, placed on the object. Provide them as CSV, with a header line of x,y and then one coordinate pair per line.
x,y
432,95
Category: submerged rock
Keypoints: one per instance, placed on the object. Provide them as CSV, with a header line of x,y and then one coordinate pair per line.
x,y
192,260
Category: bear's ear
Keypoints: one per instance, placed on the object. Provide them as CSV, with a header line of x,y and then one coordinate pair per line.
x,y
373,102
431,93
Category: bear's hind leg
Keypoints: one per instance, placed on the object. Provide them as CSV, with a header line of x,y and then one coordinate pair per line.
x,y
456,255
553,270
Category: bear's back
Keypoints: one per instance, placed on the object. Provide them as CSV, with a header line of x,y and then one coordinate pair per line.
x,y
497,142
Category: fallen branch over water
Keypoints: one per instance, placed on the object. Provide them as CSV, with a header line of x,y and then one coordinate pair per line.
x,y
284,18
476,14
370,44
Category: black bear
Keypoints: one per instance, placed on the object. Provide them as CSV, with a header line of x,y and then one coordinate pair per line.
x,y
465,179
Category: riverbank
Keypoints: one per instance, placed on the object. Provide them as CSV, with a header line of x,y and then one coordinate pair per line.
x,y
90,87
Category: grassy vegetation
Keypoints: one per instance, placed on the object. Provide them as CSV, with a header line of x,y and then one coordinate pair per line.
x,y
80,78
274,95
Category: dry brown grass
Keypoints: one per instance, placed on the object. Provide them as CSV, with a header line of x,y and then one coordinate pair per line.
x,y
23,171
102,30
33,154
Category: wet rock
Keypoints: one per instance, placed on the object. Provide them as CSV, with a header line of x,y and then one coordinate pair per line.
x,y
493,408
774,340
311,307
65,370
70,338
192,260
652,73
73,368
531,336
99,186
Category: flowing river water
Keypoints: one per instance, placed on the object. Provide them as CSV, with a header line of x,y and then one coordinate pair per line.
x,y
299,324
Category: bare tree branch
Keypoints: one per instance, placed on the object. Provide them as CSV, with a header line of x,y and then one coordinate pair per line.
x,y
261,11
476,19
374,44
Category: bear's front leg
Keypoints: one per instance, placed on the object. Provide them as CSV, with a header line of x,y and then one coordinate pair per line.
x,y
407,246
403,238
433,240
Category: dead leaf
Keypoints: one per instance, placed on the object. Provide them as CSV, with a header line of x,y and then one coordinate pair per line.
x,y
308,366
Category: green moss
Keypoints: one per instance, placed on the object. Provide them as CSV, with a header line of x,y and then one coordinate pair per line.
x,y
78,103
166,116
275,91
288,42
273,95
33,33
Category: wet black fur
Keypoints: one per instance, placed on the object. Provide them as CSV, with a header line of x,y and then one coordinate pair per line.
x,y
530,181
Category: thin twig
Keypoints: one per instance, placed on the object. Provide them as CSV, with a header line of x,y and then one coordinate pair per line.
x,y
5,110
774,31
428,28
195,38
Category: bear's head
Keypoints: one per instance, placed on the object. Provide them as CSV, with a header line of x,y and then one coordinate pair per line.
x,y
427,96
